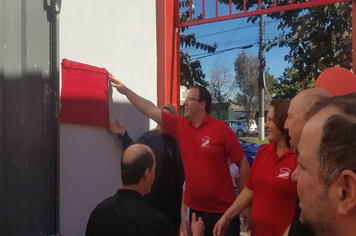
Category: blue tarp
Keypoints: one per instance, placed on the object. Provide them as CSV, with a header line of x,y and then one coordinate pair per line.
x,y
250,150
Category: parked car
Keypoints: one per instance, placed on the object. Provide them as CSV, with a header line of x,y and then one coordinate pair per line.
x,y
239,127
253,126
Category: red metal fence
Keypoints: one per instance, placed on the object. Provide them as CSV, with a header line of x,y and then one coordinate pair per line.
x,y
196,11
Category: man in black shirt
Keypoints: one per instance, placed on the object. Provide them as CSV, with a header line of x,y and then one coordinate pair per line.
x,y
126,213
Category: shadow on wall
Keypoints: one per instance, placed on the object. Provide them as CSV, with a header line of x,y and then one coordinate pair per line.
x,y
29,160
28,151
90,165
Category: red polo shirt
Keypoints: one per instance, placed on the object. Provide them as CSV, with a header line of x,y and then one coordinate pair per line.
x,y
274,194
205,151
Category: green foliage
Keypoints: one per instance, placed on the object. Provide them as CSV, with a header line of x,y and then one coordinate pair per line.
x,y
190,69
247,74
190,41
287,87
318,37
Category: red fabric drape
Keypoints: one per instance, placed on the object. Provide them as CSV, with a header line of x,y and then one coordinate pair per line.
x,y
84,95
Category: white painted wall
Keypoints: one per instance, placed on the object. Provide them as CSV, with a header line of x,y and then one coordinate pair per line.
x,y
121,37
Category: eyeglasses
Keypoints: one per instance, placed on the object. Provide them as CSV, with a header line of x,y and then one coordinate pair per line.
x,y
188,99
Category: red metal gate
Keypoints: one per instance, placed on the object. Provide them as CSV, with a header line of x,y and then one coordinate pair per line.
x,y
169,64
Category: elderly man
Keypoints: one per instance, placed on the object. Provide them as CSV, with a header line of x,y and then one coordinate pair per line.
x,y
298,108
326,175
126,213
206,145
295,122
337,81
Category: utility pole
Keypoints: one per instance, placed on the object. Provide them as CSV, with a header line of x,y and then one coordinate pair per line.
x,y
261,82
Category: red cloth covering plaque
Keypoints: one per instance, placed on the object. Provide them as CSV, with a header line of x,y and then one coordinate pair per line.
x,y
84,95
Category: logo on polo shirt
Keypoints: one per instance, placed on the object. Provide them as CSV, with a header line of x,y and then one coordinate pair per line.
x,y
205,142
284,173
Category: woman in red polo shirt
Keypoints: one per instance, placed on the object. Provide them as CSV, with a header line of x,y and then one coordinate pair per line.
x,y
269,186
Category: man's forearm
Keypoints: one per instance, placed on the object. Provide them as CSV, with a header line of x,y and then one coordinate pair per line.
x,y
244,198
244,171
143,105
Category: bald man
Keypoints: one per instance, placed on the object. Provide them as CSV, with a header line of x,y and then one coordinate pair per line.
x,y
295,122
326,174
298,108
126,213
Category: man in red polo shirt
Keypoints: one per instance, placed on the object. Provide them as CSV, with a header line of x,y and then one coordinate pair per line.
x,y
206,145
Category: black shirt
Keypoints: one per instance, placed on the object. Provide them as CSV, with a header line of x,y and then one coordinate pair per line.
x,y
126,213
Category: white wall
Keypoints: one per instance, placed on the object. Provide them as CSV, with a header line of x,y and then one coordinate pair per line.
x,y
121,37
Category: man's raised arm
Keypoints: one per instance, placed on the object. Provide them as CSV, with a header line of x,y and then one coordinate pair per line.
x,y
143,105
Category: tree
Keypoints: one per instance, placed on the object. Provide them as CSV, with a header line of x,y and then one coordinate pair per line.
x,y
221,87
190,69
247,73
319,37
285,87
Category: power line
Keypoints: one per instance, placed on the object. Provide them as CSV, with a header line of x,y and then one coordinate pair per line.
x,y
206,54
193,49
222,51
225,31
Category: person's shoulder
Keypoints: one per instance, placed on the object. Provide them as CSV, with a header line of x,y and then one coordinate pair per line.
x,y
209,118
105,206
107,202
152,133
171,118
290,152
125,194
265,148
221,124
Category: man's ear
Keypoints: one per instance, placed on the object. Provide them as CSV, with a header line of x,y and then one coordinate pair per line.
x,y
202,104
146,174
347,197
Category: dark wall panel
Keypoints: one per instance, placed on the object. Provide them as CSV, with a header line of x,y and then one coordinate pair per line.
x,y
28,122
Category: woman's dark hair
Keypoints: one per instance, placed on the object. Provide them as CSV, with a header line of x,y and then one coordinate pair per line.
x,y
280,116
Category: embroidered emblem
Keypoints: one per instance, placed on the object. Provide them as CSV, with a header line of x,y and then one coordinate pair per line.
x,y
205,142
284,173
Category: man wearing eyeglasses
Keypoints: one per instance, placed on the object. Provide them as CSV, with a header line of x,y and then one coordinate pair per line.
x,y
206,145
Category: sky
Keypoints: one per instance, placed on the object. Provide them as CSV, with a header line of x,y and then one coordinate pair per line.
x,y
232,34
